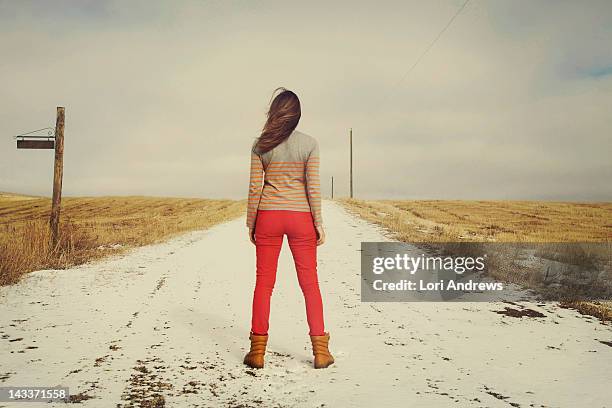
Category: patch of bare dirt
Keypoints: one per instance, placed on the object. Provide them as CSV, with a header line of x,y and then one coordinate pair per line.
x,y
508,311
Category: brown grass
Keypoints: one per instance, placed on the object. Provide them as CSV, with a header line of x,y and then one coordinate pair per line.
x,y
93,227
435,221
600,310
480,221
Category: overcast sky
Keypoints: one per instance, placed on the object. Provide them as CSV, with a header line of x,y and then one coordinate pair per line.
x,y
165,98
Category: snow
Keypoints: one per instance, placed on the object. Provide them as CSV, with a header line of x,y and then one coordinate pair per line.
x,y
180,312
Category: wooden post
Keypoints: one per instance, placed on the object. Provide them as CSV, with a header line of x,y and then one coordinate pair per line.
x,y
58,170
332,188
351,158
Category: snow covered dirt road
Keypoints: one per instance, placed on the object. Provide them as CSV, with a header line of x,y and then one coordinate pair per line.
x,y
172,320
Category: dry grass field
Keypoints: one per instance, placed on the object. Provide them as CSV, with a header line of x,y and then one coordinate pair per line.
x,y
498,221
92,227
495,221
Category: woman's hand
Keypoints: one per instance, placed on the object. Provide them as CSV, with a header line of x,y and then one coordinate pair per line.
x,y
320,235
252,235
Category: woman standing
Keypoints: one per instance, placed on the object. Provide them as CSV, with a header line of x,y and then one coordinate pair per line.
x,y
285,199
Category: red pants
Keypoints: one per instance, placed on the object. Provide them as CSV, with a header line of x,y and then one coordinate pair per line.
x,y
270,227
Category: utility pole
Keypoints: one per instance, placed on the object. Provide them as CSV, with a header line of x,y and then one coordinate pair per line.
x,y
58,171
54,139
332,187
351,159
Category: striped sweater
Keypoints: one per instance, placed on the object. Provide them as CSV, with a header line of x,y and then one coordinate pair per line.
x,y
286,178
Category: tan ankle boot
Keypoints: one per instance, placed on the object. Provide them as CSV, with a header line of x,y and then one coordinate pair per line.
x,y
322,356
255,357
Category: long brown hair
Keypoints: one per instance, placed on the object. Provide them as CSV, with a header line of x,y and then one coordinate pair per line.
x,y
283,117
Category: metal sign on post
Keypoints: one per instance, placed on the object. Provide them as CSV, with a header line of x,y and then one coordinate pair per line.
x,y
36,139
49,138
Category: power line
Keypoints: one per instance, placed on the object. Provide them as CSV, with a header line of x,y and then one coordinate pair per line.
x,y
427,49
412,67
